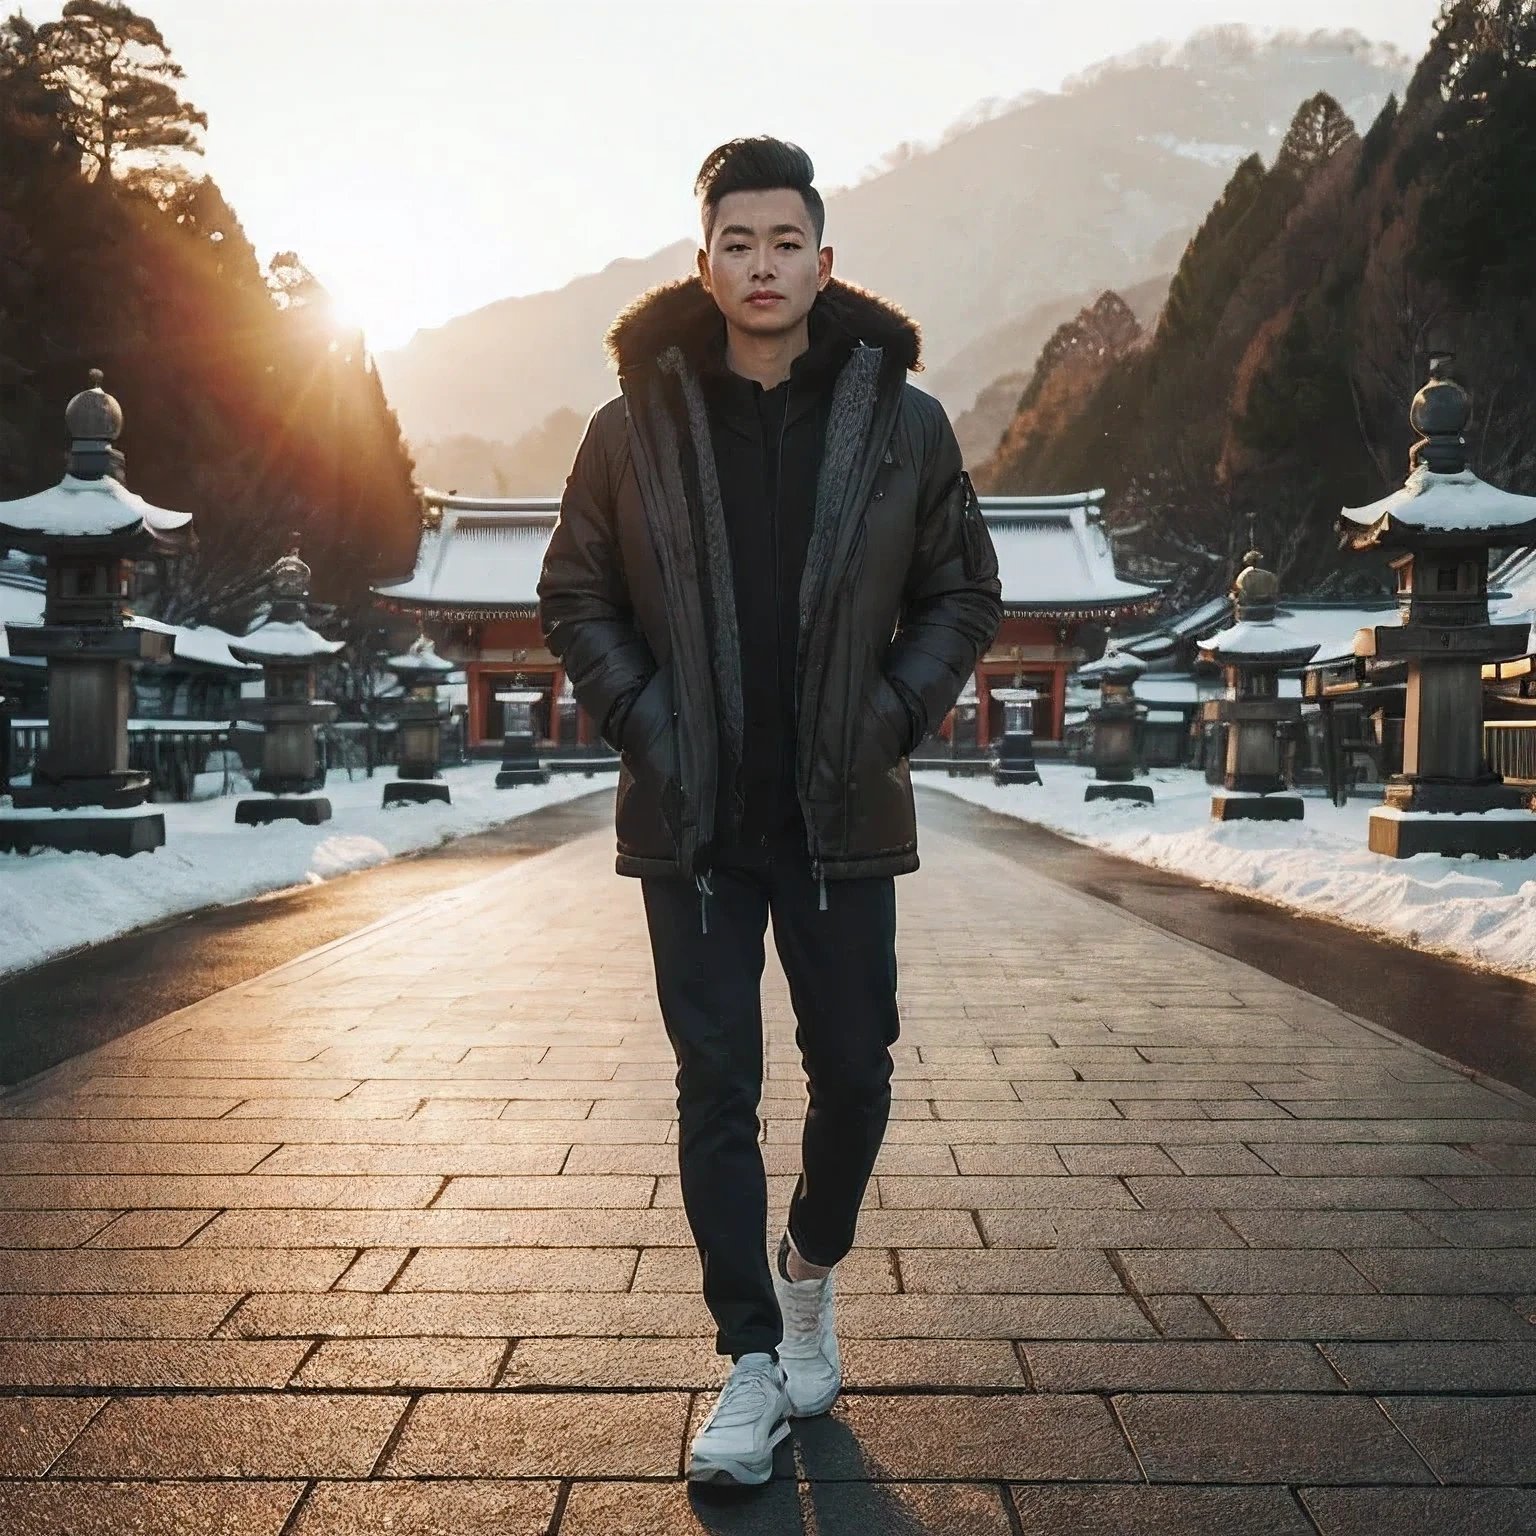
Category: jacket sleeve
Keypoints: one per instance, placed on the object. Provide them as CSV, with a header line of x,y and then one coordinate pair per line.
x,y
952,604
584,603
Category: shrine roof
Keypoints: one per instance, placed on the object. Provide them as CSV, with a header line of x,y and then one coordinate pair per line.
x,y
483,560
199,643
1286,639
1435,503
21,602
85,509
1055,558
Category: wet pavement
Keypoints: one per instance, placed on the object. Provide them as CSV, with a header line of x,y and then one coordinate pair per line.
x,y
389,1237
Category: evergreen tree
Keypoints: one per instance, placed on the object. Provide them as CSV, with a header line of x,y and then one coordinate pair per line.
x,y
121,84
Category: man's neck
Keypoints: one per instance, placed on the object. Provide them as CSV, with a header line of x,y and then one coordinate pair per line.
x,y
765,359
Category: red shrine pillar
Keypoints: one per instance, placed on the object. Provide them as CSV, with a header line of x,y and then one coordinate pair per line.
x,y
983,711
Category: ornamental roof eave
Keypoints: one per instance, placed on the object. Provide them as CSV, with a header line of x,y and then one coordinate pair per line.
x,y
1259,643
1441,508
283,640
89,510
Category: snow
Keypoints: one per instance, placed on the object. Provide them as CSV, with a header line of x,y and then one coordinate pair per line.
x,y
487,554
87,508
55,902
1255,640
1053,552
1477,910
1449,503
284,640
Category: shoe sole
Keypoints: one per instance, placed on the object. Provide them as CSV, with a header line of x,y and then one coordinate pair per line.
x,y
733,1473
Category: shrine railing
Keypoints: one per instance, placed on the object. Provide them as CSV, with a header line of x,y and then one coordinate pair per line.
x,y
1509,748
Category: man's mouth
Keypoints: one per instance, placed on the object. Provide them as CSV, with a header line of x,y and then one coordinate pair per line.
x,y
764,298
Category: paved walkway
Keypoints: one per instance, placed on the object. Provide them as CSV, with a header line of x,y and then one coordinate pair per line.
x,y
388,1240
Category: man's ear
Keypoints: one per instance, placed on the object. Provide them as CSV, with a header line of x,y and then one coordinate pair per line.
x,y
823,267
702,262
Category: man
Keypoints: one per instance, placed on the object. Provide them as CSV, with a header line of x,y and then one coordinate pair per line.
x,y
769,581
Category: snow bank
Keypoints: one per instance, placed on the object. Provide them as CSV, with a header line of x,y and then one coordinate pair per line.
x,y
1473,909
56,901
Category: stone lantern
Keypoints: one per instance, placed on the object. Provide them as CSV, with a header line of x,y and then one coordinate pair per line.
x,y
289,653
1252,654
519,762
1016,752
90,528
1116,721
420,715
1436,532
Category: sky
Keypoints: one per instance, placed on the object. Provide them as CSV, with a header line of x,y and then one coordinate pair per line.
x,y
425,157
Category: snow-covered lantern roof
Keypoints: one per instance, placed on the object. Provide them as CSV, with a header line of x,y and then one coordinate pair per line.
x,y
1115,667
1442,501
286,636
1260,637
419,666
91,509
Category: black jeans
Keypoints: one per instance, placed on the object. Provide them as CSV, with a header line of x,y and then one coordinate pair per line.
x,y
841,968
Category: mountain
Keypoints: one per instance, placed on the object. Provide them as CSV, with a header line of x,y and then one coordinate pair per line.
x,y
535,465
1093,187
997,355
1302,320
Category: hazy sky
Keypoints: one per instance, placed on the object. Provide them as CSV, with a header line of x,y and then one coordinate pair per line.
x,y
428,156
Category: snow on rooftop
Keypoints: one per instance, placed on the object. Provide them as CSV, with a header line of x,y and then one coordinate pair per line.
x,y
1053,553
1446,503
487,555
1285,636
86,509
21,602
200,643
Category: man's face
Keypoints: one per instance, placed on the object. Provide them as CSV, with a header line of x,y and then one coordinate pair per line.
x,y
762,266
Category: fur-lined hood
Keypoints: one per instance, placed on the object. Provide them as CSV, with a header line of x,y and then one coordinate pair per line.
x,y
682,314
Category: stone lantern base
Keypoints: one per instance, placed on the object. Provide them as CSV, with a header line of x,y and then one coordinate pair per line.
x,y
311,810
1104,789
415,792
1230,806
122,834
1485,834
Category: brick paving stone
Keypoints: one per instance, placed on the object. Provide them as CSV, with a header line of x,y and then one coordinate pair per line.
x,y
51,1229
1045,1511
1441,1511
911,1509
152,1229
1323,1161
1009,1271
1471,1439
1333,1229
1481,1229
112,1317
993,1438
1183,1317
1275,1192
196,1363
430,1507
36,1431
1368,1317
568,1434
681,1364
170,1271
234,1435
1172,1366
519,1269
146,1509
930,1364
672,1509
403,1364
1237,1271
1446,1271
1426,1367
1230,1437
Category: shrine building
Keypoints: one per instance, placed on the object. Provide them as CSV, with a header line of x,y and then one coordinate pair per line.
x,y
477,571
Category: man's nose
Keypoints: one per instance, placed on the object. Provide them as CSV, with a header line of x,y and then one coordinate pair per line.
x,y
763,267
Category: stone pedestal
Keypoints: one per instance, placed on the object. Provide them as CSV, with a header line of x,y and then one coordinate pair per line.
x,y
519,761
138,831
416,792
311,810
1509,831
1229,805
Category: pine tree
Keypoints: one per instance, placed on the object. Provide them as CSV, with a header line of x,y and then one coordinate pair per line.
x,y
121,85
1320,130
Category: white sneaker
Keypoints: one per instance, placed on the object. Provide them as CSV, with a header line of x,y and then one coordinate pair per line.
x,y
809,1352
750,1418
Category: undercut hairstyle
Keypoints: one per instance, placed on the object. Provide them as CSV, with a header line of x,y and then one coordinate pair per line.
x,y
757,165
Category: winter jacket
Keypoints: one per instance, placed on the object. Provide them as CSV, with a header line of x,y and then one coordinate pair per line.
x,y
898,598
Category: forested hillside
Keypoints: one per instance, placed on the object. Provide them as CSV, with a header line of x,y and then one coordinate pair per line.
x,y
1275,387
245,404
